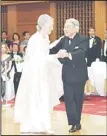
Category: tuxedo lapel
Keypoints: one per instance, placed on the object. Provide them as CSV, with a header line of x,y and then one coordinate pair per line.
x,y
75,42
94,41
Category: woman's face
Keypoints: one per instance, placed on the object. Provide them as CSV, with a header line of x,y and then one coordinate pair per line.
x,y
16,37
4,48
48,27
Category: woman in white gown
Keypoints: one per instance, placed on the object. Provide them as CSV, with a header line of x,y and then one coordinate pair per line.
x,y
40,86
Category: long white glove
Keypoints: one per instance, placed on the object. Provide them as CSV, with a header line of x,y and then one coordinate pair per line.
x,y
55,42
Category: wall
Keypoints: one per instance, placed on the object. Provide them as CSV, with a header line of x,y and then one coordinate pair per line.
x,y
24,17
28,14
100,17
11,20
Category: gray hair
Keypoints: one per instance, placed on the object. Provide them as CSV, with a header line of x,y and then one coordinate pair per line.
x,y
42,20
74,22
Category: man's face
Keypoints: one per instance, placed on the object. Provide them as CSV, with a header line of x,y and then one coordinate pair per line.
x,y
4,35
91,32
15,48
69,29
27,36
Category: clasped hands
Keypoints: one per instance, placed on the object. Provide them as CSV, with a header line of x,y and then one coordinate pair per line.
x,y
63,53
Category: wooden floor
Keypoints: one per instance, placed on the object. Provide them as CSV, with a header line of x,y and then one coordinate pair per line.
x,y
91,124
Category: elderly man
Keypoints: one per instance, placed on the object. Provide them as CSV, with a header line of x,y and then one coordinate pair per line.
x,y
71,51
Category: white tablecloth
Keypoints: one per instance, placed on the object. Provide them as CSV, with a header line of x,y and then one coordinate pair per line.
x,y
97,74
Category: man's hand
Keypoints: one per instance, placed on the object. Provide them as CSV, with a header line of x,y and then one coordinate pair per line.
x,y
62,53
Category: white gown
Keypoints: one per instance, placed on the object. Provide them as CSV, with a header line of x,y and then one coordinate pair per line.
x,y
40,86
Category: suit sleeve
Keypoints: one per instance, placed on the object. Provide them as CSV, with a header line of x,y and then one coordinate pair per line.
x,y
56,48
80,54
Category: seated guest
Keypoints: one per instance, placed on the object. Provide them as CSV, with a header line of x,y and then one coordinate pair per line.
x,y
26,35
94,49
24,43
16,64
16,38
4,39
104,48
6,82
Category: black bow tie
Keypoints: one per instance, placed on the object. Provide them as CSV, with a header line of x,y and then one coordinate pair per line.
x,y
91,37
70,39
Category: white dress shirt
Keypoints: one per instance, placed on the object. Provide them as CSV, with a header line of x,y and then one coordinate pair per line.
x,y
91,42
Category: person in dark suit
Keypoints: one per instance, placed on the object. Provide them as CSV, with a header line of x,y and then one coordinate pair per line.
x,y
94,48
71,51
5,39
17,75
104,48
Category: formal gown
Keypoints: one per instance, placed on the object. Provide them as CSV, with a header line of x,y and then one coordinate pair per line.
x,y
7,82
40,86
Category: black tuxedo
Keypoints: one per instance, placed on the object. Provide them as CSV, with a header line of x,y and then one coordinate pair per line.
x,y
74,75
95,51
18,53
104,58
17,74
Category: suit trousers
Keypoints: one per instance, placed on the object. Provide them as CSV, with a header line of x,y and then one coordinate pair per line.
x,y
74,97
16,80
